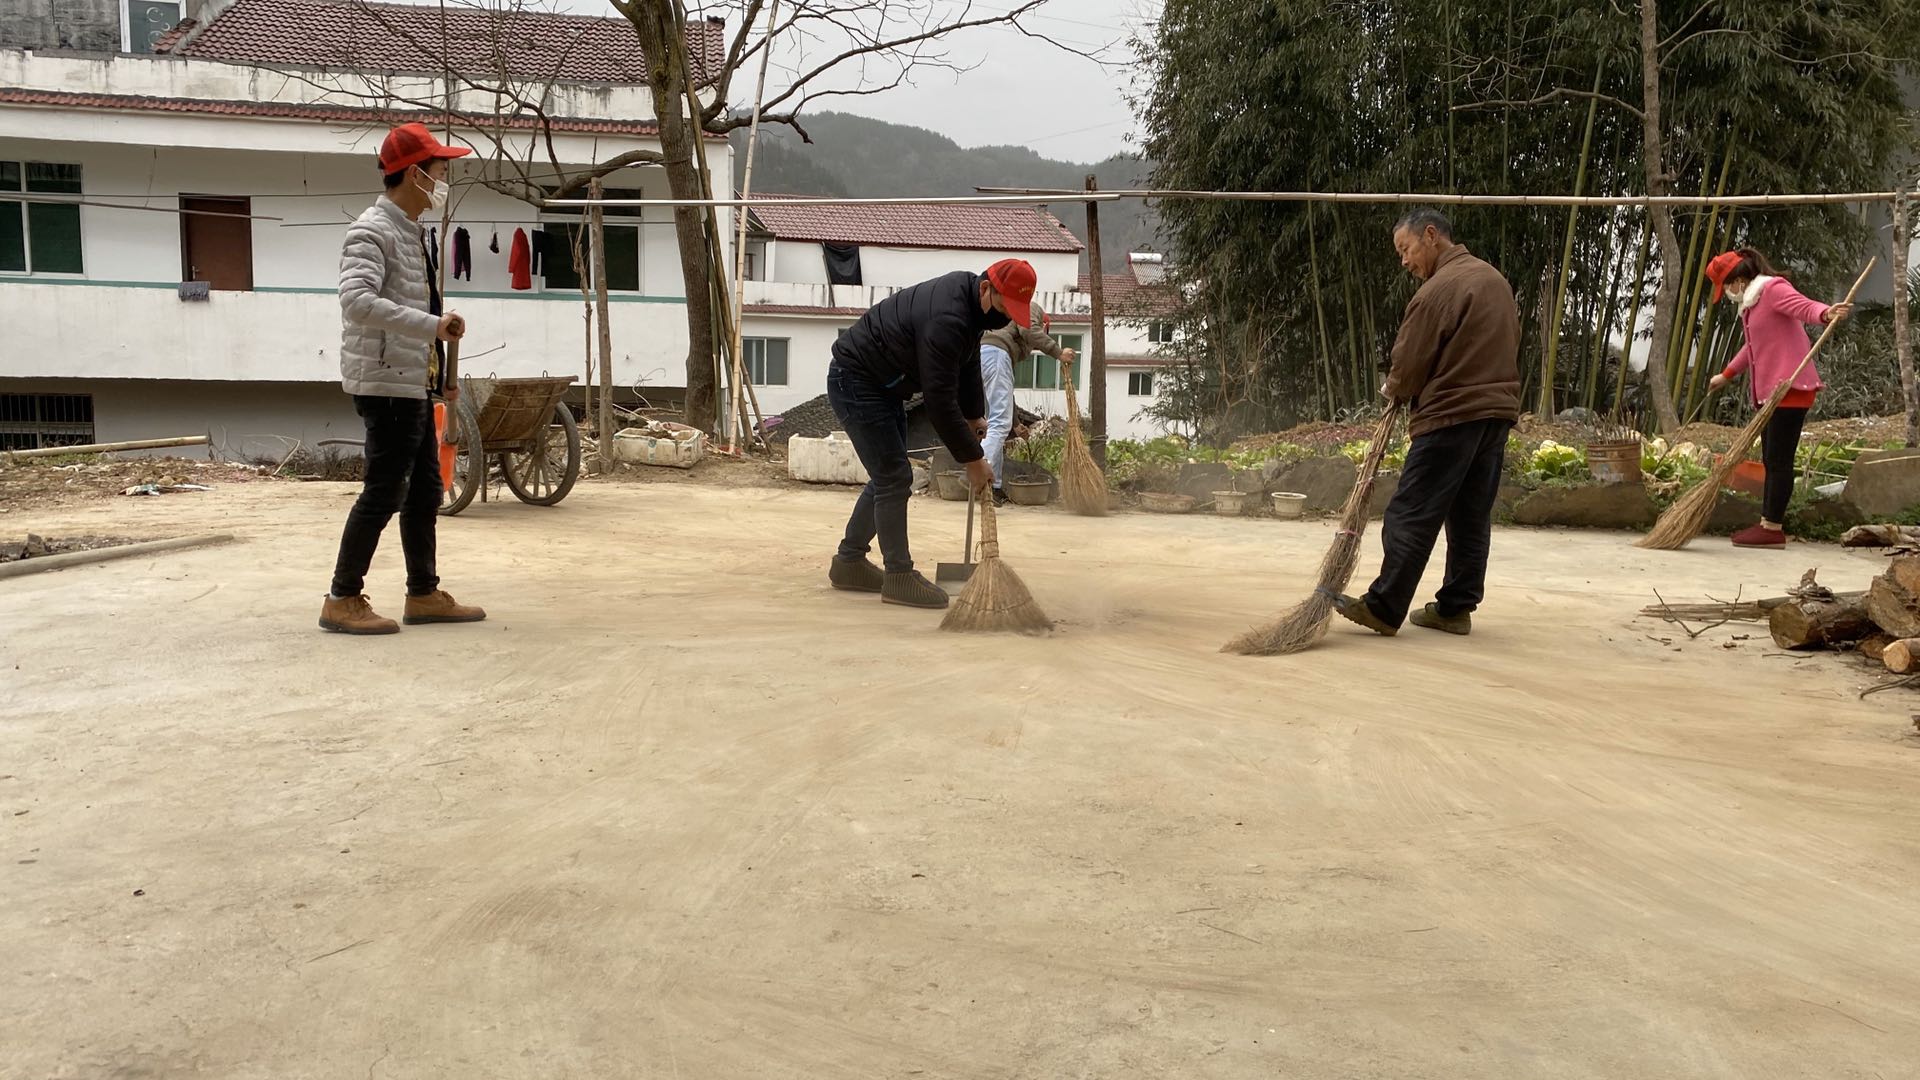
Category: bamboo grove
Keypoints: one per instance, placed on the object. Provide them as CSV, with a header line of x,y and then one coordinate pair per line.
x,y
1292,307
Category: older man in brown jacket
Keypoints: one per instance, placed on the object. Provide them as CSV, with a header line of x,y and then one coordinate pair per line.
x,y
1456,361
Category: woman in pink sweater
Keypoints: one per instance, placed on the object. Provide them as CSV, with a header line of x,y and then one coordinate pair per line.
x,y
1775,318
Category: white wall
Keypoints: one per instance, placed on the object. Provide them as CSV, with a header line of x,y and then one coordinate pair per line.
x,y
794,261
246,421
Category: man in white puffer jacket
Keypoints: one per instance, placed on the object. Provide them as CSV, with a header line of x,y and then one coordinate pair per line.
x,y
391,362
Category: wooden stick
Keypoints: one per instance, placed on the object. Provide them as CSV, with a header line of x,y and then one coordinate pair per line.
x,y
23,567
107,447
1902,344
597,222
1097,367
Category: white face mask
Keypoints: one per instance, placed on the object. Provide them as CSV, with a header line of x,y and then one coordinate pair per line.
x,y
437,198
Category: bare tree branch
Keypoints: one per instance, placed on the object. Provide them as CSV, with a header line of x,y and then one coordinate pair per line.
x,y
1555,94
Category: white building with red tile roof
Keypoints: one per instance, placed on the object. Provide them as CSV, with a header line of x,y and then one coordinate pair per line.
x,y
794,308
270,112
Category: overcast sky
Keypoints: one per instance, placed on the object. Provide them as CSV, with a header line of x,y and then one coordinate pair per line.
x,y
1013,89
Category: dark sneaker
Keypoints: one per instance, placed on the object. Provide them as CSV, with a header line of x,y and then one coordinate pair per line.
x,y
1000,497
912,590
1431,618
1355,610
855,575
1759,536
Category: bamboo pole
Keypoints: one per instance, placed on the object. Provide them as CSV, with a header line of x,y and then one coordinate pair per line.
x,y
597,222
23,567
106,448
1902,304
1041,196
1320,314
1692,284
1097,367
1633,312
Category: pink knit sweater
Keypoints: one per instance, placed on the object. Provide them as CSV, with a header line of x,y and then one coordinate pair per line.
x,y
1776,331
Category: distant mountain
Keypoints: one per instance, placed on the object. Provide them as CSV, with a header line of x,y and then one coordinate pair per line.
x,y
856,156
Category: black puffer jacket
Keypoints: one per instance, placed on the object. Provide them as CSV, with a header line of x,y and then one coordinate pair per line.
x,y
926,340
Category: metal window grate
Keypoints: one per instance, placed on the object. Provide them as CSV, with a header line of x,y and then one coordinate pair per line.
x,y
33,421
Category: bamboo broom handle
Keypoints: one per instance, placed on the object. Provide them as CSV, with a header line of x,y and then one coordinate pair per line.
x,y
1781,390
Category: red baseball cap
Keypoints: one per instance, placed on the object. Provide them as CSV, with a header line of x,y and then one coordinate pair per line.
x,y
412,144
1718,269
1015,279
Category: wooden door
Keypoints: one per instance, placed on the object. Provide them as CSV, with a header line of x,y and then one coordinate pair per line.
x,y
217,249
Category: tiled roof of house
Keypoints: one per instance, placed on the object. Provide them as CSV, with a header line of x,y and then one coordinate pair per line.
x,y
1126,297
974,227
401,37
298,111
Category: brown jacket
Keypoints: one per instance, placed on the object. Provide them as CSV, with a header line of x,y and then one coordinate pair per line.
x,y
1457,357
1019,343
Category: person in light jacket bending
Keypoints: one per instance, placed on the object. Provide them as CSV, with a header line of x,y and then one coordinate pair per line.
x,y
999,351
1774,317
392,364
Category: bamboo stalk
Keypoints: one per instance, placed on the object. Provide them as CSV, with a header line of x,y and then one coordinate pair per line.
x,y
740,229
1633,310
1597,354
1097,367
1550,351
23,567
1041,196
1320,314
598,223
1902,304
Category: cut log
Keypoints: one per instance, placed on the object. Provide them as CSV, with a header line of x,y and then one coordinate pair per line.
x,y
1893,608
1904,571
1882,536
1902,657
1874,646
1811,624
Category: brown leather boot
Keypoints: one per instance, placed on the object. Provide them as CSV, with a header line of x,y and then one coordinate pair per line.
x,y
439,607
354,615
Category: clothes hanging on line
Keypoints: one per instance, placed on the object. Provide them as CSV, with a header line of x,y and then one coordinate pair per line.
x,y
462,255
540,251
495,245
519,262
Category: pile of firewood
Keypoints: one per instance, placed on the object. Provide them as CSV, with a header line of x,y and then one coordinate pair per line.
x,y
1882,621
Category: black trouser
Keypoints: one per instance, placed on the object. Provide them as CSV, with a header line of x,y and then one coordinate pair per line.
x,y
1450,480
876,424
1778,440
403,476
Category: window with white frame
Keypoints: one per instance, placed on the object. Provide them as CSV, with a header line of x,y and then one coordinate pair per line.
x,y
1139,384
40,232
1042,372
1160,332
766,360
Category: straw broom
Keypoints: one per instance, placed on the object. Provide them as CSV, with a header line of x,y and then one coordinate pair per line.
x,y
995,598
1083,487
1307,622
1688,516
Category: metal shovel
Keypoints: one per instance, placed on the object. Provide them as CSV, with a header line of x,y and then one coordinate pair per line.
x,y
961,572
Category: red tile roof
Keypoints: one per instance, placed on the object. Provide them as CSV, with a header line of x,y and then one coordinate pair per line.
x,y
401,37
297,111
1126,298
974,227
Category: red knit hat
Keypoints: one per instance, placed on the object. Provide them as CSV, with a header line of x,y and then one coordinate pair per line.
x,y
413,144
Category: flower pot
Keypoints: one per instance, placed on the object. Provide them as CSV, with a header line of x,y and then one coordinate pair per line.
x,y
952,485
1748,478
1230,503
1030,491
1162,503
1289,504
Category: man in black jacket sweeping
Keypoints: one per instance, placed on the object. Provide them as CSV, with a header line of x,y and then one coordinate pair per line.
x,y
925,339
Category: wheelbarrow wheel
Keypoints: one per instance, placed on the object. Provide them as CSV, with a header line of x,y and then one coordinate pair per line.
x,y
544,472
469,461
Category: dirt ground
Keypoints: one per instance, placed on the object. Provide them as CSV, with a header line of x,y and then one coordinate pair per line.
x,y
679,810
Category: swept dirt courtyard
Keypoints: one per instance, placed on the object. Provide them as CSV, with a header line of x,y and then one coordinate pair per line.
x,y
679,810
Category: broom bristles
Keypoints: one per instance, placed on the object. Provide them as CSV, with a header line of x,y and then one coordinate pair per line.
x,y
1306,624
995,599
1083,487
1688,516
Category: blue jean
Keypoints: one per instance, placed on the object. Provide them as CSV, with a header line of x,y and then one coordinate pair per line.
x,y
876,423
996,373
